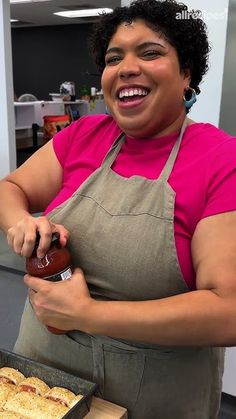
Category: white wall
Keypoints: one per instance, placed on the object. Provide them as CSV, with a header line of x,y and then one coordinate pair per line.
x,y
7,123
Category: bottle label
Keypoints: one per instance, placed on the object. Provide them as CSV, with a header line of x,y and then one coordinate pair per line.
x,y
60,276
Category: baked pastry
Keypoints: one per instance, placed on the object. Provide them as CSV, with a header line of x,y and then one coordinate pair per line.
x,y
10,375
75,400
34,406
6,390
60,395
33,385
10,415
32,398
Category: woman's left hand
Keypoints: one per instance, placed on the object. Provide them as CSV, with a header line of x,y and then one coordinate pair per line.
x,y
63,304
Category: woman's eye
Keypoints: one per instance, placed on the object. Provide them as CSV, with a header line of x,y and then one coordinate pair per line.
x,y
113,60
151,54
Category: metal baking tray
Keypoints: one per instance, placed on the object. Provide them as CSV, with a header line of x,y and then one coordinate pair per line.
x,y
53,377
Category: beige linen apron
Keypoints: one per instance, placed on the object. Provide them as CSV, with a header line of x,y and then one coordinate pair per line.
x,y
122,236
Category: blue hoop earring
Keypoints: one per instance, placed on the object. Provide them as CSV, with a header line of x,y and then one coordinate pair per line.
x,y
188,103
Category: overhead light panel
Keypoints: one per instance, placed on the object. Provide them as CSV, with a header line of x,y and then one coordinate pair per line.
x,y
27,1
84,12
14,20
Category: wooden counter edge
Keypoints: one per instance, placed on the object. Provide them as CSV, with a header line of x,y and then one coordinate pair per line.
x,y
102,409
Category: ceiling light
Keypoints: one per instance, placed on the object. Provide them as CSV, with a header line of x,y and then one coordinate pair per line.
x,y
84,12
26,1
14,20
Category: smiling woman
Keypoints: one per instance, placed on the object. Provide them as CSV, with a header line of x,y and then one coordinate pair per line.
x,y
143,199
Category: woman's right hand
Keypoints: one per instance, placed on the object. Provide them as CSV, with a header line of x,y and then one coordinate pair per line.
x,y
21,236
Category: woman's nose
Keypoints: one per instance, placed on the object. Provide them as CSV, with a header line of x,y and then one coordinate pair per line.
x,y
129,67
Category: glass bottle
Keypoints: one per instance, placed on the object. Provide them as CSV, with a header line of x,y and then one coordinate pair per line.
x,y
54,266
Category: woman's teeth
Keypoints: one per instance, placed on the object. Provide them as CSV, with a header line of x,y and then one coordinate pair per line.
x,y
130,93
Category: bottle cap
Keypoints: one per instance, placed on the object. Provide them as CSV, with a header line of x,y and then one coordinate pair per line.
x,y
55,238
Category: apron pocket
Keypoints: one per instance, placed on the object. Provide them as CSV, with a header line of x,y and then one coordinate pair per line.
x,y
123,374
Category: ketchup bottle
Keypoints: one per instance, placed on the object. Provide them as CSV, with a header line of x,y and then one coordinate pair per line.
x,y
54,266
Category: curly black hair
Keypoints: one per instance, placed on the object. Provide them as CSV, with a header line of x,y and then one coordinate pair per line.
x,y
184,29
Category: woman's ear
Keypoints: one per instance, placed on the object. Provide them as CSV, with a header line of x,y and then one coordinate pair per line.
x,y
187,76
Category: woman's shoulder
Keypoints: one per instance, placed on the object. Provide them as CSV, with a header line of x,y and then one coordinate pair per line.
x,y
207,131
208,140
87,133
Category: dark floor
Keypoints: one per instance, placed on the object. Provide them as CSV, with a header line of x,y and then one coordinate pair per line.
x,y
13,294
228,407
26,146
24,154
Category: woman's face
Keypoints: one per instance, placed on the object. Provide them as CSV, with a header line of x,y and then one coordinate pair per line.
x,y
142,82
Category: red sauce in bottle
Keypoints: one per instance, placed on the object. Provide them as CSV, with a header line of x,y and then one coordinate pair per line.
x,y
54,266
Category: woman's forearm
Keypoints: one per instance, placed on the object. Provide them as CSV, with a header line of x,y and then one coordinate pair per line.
x,y
14,205
199,318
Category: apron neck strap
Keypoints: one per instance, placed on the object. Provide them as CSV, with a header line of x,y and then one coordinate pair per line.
x,y
113,152
167,169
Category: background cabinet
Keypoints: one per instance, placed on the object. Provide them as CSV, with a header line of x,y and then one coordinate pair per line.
x,y
28,113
